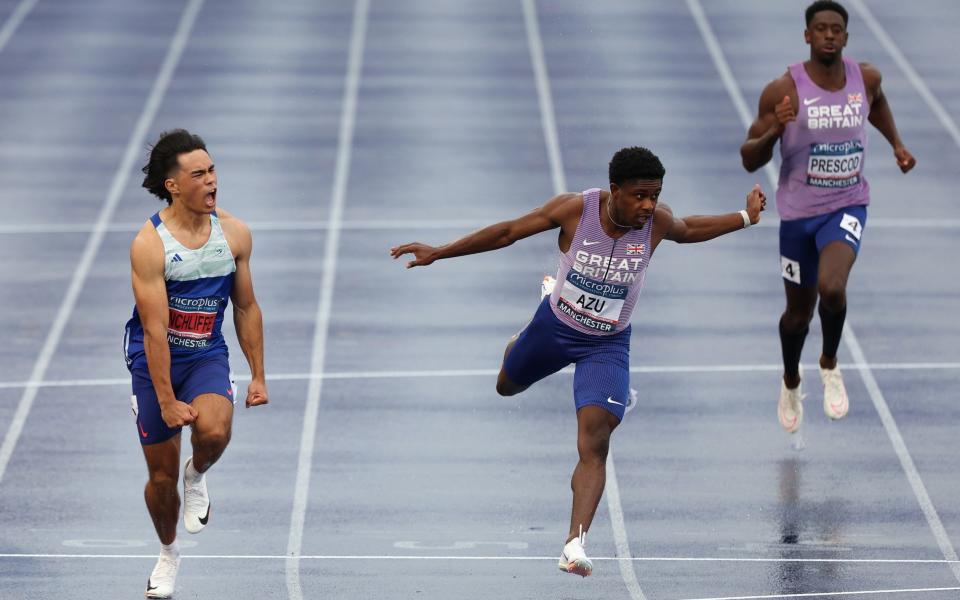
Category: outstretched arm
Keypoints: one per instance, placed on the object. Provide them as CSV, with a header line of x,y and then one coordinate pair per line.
x,y
882,117
247,317
694,229
776,109
493,237
150,293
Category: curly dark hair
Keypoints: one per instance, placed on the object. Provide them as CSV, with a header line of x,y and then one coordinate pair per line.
x,y
163,159
821,5
635,163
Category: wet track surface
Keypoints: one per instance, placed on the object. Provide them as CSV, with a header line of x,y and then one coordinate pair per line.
x,y
422,482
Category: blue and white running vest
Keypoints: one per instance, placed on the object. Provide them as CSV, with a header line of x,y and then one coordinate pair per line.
x,y
199,283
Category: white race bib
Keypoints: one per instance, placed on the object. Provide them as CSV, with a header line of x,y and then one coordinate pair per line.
x,y
835,165
851,224
790,269
592,303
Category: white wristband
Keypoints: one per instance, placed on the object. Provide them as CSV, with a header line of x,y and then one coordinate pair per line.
x,y
746,219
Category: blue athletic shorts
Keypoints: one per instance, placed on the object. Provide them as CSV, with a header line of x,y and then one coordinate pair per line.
x,y
546,345
802,240
209,375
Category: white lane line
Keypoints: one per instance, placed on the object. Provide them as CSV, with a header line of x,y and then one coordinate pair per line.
x,y
906,461
322,321
545,97
621,543
726,76
304,225
552,139
881,34
120,178
850,341
14,20
413,374
376,557
832,594
411,225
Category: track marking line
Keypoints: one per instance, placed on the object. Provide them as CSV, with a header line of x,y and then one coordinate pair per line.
x,y
120,178
439,557
411,225
832,594
849,337
551,139
322,321
443,373
14,20
898,57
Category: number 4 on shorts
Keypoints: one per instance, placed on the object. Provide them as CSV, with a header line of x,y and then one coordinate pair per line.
x,y
790,270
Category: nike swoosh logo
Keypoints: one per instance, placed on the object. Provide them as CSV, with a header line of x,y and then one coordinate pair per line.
x,y
612,401
142,432
850,239
150,587
586,243
809,101
203,519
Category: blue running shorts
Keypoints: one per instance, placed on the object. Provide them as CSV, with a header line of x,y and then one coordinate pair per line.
x,y
546,345
209,375
802,240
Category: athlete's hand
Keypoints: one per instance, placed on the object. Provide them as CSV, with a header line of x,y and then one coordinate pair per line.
x,y
177,414
423,254
257,393
785,113
905,160
756,202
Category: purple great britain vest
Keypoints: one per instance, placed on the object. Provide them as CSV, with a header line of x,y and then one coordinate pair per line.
x,y
822,152
600,278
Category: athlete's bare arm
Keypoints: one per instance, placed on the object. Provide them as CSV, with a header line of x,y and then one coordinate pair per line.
x,y
882,117
247,317
557,212
777,107
150,293
697,228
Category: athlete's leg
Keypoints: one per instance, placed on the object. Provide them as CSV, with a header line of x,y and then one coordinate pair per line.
x,y
505,386
533,353
209,386
836,261
161,450
594,426
799,263
601,387
211,434
794,325
163,501
211,430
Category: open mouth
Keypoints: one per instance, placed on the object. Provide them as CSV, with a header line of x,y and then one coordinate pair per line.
x,y
211,198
